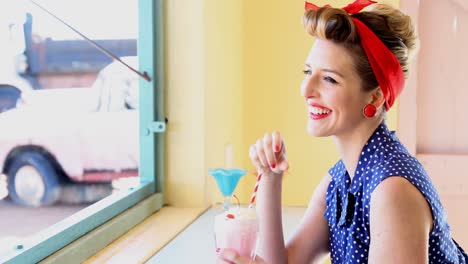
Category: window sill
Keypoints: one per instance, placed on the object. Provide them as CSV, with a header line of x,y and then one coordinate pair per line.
x,y
144,240
158,238
111,240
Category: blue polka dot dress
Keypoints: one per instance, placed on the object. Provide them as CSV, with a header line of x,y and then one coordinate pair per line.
x,y
348,201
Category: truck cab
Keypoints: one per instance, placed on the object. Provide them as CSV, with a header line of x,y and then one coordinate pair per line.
x,y
13,64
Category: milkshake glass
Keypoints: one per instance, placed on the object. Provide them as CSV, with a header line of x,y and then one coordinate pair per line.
x,y
237,229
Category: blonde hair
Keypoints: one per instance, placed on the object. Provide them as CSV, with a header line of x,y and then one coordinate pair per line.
x,y
390,25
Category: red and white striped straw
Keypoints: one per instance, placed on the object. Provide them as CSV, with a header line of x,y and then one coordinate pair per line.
x,y
254,194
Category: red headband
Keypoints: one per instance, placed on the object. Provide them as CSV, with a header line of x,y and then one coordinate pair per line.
x,y
385,65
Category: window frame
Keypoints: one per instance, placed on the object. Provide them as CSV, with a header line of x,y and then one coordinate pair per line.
x,y
151,139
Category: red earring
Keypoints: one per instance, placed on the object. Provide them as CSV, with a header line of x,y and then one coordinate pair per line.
x,y
370,110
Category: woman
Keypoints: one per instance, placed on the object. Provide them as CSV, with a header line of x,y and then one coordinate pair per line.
x,y
377,204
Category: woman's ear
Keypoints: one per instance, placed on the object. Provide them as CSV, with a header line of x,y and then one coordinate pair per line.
x,y
378,98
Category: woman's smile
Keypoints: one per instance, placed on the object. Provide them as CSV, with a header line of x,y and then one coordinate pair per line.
x,y
317,112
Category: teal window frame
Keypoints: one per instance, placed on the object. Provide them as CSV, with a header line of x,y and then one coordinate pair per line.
x,y
152,127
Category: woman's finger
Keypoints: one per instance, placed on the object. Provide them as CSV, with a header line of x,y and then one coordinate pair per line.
x,y
268,149
280,152
219,260
234,257
261,153
276,141
283,164
254,157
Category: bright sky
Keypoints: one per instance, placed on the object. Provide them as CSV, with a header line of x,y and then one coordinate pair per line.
x,y
96,19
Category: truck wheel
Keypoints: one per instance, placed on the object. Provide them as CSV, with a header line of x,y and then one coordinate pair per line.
x,y
32,180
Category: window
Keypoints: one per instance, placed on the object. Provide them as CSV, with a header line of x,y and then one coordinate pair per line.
x,y
151,128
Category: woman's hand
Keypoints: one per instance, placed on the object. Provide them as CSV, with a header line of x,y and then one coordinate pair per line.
x,y
228,256
268,154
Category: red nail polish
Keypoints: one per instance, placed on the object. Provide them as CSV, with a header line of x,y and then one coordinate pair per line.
x,y
277,148
273,165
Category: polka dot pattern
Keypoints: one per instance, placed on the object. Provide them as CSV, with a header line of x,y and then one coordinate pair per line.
x,y
348,201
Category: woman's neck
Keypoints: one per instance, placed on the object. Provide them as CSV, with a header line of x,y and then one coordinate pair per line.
x,y
351,144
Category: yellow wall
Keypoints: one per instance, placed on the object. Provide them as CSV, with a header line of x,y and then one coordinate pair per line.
x,y
204,96
234,72
185,103
224,93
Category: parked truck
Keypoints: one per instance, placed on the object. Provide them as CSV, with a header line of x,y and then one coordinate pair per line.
x,y
61,138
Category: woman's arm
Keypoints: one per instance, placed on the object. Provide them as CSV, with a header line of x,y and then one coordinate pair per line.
x,y
400,222
271,247
310,241
269,156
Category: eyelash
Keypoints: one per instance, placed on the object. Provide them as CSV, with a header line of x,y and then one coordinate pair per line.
x,y
326,78
330,80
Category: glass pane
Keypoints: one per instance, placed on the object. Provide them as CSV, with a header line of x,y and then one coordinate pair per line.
x,y
68,113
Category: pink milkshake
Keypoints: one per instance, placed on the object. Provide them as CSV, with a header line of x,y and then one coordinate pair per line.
x,y
237,229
